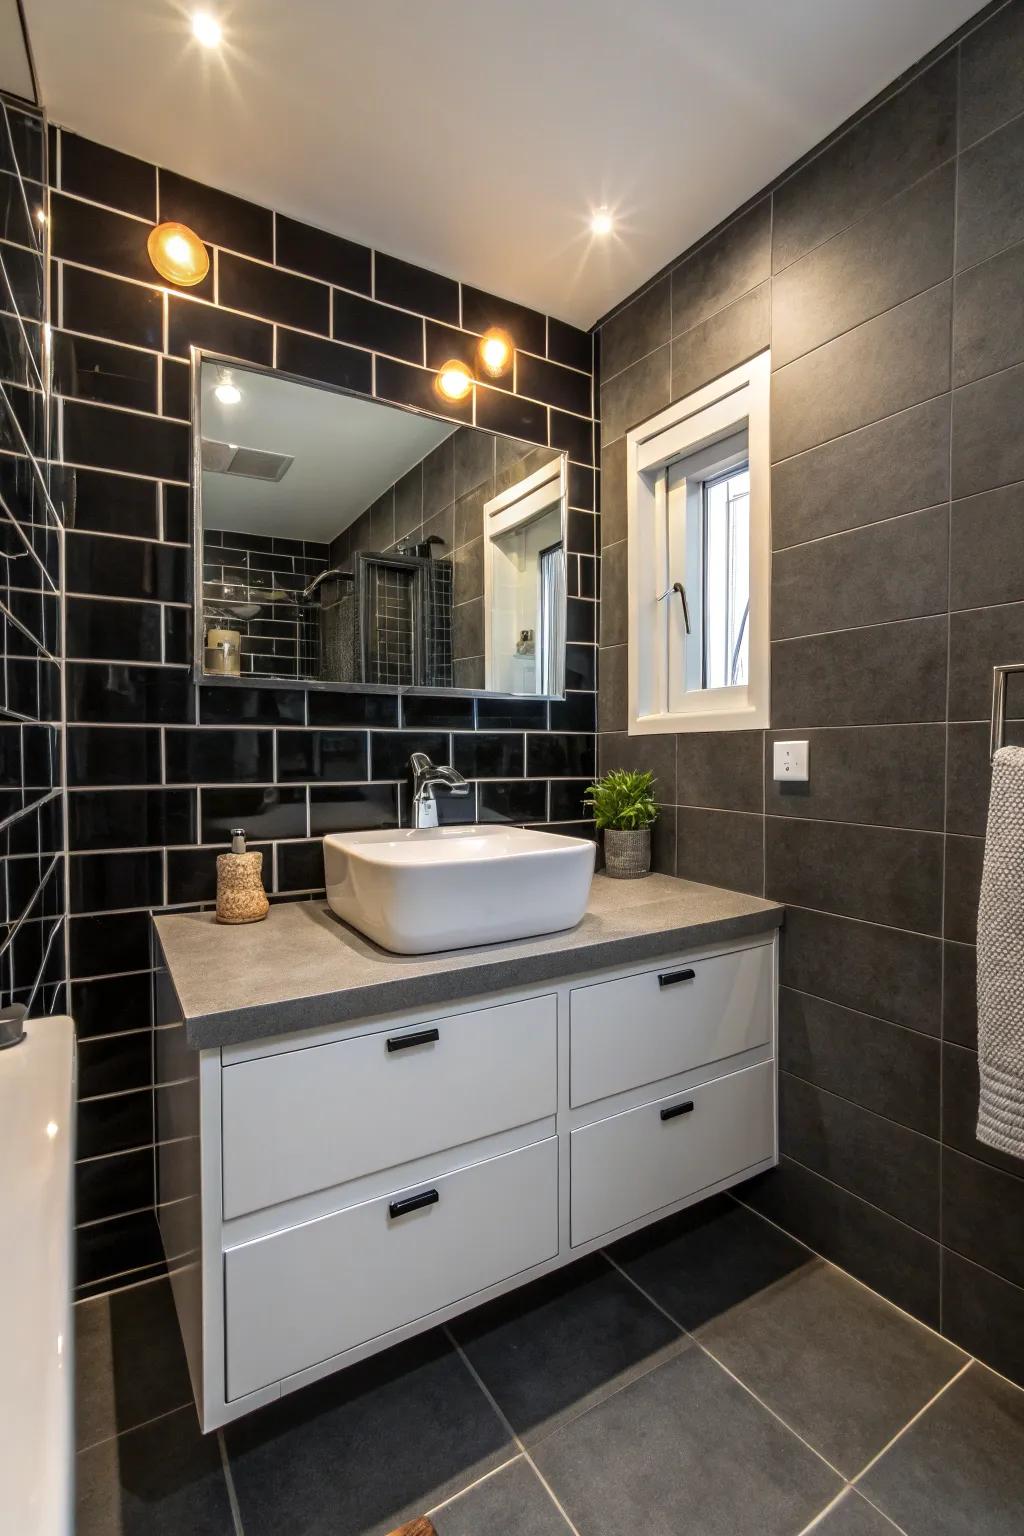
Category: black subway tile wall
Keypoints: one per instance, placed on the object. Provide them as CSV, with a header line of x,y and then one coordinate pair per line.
x,y
885,273
32,902
160,770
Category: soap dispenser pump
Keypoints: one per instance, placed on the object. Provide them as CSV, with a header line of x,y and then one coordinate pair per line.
x,y
240,894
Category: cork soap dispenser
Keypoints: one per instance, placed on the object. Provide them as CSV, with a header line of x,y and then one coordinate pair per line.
x,y
240,894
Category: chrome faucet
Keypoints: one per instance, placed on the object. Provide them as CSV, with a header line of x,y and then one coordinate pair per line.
x,y
427,779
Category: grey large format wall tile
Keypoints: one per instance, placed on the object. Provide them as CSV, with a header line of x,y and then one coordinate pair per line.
x,y
897,385
721,342
891,570
988,446
613,594
727,266
900,464
635,393
721,848
988,316
882,971
893,1168
887,674
655,754
891,775
878,874
903,139
989,207
885,365
636,330
613,492
882,1067
895,252
986,548
613,683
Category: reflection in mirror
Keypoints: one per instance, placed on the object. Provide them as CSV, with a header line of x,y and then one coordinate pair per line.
x,y
348,541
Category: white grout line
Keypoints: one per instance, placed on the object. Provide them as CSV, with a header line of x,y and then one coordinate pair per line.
x,y
229,1482
444,1504
145,1423
911,1422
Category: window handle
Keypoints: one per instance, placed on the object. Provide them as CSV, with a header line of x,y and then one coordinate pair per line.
x,y
677,586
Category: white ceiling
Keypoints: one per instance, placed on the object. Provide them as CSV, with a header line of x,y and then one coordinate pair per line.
x,y
15,72
475,136
346,451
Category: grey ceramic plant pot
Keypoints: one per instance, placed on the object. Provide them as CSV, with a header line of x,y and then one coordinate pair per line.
x,y
627,855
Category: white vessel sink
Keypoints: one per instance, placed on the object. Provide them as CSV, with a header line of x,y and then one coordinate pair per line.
x,y
449,887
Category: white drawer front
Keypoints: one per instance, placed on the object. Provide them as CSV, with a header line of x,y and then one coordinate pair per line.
x,y
305,1120
643,1028
306,1294
634,1163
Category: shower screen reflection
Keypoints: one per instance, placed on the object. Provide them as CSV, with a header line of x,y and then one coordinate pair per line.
x,y
347,541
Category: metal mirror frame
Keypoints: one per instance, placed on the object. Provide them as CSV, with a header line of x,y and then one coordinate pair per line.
x,y
197,357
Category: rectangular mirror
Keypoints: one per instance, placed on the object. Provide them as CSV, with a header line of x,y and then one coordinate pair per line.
x,y
346,541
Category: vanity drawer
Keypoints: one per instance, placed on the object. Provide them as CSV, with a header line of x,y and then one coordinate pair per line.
x,y
643,1028
303,1295
307,1119
635,1163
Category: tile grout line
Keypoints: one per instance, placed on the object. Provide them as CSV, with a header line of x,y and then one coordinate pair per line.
x,y
911,1422
144,1423
229,1483
471,1368
715,1361
476,1483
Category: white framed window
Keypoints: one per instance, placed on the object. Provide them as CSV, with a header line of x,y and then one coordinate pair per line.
x,y
524,585
699,555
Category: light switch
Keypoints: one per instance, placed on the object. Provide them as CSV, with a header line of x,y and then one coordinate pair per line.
x,y
789,762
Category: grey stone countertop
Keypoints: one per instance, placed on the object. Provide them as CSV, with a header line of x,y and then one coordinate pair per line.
x,y
302,967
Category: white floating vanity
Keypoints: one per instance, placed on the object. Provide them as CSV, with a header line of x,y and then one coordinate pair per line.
x,y
340,1168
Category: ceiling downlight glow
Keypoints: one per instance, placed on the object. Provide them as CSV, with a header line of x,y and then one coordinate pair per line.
x,y
496,352
227,391
178,254
206,29
454,381
602,221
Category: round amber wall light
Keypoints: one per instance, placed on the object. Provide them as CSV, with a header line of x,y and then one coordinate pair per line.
x,y
454,380
496,352
178,254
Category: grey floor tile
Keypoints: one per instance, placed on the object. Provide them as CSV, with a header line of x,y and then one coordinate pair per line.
x,y
367,1449
164,1479
709,1259
552,1349
684,1449
843,1367
854,1516
961,1466
514,1502
129,1361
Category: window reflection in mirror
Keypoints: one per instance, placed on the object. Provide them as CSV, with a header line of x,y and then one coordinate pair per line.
x,y
348,541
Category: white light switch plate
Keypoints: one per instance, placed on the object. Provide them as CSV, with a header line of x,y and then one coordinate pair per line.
x,y
789,762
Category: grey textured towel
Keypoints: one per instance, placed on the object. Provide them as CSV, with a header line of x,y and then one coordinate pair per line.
x,y
1001,960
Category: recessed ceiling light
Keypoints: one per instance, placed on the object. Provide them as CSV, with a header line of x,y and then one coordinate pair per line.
x,y
602,222
227,391
206,29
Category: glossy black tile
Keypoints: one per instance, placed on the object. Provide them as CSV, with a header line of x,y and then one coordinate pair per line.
x,y
300,866
553,384
216,757
367,324
511,714
405,385
130,818
574,435
111,242
102,754
560,756
113,439
112,1004
119,567
565,800
104,306
176,393
192,872
446,342
272,294
177,522
307,756
112,692
270,812
328,361
98,946
126,1245
107,176
98,882
115,631
411,287
95,501
576,712
390,751
483,756
501,412
352,709
568,345
481,310
581,667
517,801
319,254
251,706
352,807
215,330
217,216
422,712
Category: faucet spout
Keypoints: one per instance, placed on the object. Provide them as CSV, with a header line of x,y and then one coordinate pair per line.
x,y
427,779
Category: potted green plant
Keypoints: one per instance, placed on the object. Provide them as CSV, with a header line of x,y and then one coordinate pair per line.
x,y
624,810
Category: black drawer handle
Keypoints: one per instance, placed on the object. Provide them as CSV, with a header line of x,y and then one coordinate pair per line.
x,y
421,1037
670,978
677,1109
412,1203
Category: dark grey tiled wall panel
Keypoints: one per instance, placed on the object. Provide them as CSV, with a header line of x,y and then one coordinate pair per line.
x,y
898,582
160,769
31,844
